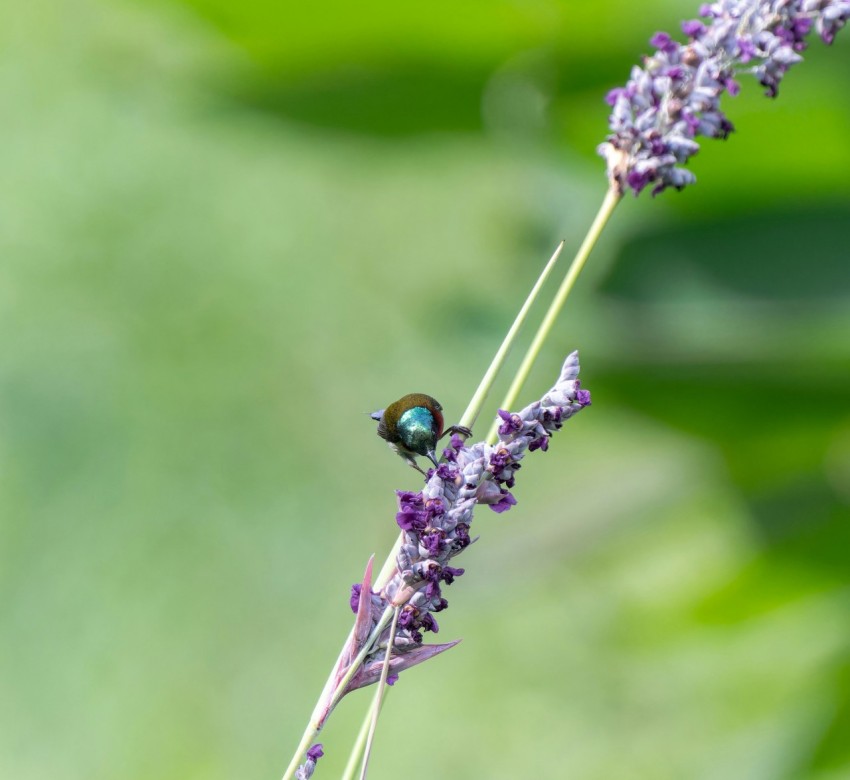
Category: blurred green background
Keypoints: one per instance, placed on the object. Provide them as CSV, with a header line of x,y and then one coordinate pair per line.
x,y
227,230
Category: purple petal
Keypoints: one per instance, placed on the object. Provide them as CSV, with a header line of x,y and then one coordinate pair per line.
x,y
505,504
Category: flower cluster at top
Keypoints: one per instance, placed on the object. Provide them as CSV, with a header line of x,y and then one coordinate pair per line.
x,y
675,96
435,522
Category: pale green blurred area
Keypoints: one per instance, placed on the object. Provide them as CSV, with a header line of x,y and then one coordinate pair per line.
x,y
229,230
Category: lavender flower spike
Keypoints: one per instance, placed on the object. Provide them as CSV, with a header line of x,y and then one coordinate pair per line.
x,y
435,524
675,96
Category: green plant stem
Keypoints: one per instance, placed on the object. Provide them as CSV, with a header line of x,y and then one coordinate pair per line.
x,y
480,395
357,750
612,198
378,700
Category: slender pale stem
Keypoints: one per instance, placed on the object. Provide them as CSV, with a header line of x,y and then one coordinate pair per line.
x,y
388,569
306,740
480,395
612,198
357,750
379,695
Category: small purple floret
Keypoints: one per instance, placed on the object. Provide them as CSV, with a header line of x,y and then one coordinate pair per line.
x,y
583,397
499,459
354,601
407,617
432,542
462,539
410,519
663,42
503,505
432,590
305,771
511,423
693,28
541,444
449,574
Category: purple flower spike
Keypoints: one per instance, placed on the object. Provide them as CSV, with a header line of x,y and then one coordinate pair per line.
x,y
675,96
435,528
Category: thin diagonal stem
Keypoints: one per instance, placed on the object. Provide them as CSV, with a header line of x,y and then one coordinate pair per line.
x,y
612,198
379,694
356,751
480,395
